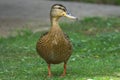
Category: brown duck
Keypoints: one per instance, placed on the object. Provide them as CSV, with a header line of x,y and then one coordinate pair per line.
x,y
54,46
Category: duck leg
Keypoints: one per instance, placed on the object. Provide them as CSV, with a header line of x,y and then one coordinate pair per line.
x,y
64,71
49,71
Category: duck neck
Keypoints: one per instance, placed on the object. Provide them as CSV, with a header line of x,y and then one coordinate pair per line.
x,y
55,26
54,22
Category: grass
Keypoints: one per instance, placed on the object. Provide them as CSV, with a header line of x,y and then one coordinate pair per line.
x,y
96,55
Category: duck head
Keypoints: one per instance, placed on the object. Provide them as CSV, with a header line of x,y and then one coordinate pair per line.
x,y
58,10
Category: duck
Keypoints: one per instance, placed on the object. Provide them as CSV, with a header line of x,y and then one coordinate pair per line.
x,y
55,46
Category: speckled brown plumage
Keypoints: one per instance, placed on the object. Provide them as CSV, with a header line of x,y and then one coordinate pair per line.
x,y
54,46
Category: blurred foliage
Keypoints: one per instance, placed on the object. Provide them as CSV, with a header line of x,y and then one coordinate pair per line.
x,y
114,2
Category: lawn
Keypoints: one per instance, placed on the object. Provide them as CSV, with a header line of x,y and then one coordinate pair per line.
x,y
96,55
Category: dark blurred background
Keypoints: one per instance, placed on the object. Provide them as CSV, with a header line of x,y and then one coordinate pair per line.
x,y
34,14
113,2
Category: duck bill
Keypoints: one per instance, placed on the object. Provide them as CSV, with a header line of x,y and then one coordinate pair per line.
x,y
70,16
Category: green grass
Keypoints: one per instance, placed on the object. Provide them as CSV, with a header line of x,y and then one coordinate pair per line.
x,y
96,55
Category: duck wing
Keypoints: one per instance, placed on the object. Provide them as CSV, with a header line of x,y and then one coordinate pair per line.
x,y
67,37
43,34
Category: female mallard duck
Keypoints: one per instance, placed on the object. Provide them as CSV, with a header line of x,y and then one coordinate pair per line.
x,y
54,46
